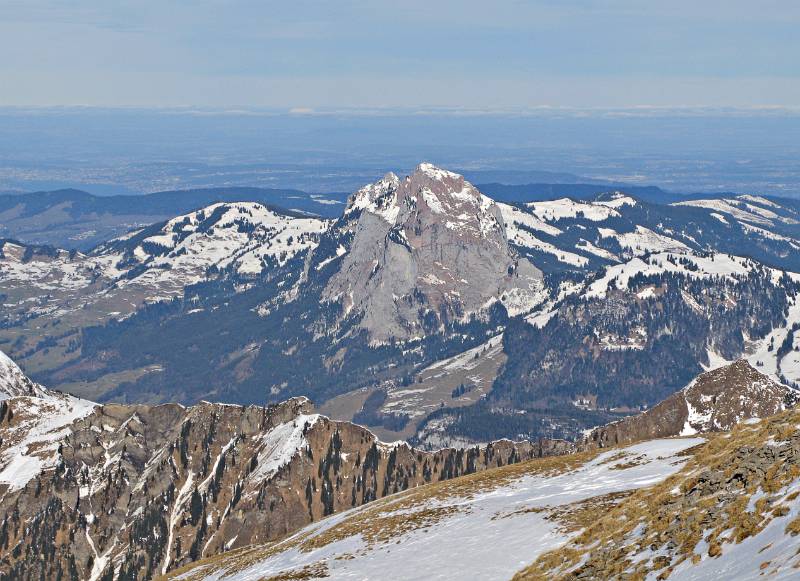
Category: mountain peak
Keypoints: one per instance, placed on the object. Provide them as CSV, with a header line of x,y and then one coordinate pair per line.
x,y
715,401
436,172
13,382
429,243
429,194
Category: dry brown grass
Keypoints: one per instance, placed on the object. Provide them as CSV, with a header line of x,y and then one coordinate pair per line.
x,y
793,528
576,516
313,571
666,516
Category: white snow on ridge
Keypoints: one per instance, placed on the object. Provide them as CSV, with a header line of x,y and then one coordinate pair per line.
x,y
14,383
244,236
463,543
32,444
759,200
280,445
644,241
745,208
272,235
379,198
551,211
513,217
725,207
755,230
618,200
688,264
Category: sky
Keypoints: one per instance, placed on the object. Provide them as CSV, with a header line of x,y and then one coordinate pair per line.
x,y
479,55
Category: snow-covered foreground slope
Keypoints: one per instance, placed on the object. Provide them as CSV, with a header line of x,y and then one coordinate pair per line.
x,y
484,526
731,513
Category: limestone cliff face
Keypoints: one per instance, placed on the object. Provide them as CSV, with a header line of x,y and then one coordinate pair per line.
x,y
716,401
133,491
428,250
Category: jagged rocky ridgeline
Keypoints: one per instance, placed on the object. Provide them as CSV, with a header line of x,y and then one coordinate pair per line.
x,y
136,491
686,507
132,491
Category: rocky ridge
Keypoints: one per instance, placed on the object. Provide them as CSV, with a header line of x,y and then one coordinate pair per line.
x,y
133,491
13,382
684,507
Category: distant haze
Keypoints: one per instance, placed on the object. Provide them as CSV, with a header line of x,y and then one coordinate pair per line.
x,y
109,151
164,94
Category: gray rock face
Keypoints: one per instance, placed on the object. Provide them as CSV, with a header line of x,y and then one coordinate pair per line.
x,y
428,250
716,401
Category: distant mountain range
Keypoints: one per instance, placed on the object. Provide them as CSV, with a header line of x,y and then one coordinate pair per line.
x,y
77,220
426,309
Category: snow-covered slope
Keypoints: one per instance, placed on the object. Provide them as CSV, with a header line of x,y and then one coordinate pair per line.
x,y
585,234
777,354
245,236
731,513
485,526
577,235
31,435
48,295
681,508
691,265
159,261
31,444
749,209
14,383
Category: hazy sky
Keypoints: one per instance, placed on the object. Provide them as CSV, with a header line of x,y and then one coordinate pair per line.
x,y
405,53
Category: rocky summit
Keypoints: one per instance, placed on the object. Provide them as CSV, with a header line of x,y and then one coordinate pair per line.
x,y
428,250
715,401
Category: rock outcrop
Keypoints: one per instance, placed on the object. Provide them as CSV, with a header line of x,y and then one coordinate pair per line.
x,y
13,382
716,401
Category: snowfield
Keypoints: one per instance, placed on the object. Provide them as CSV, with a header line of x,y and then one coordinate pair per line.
x,y
242,236
489,533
